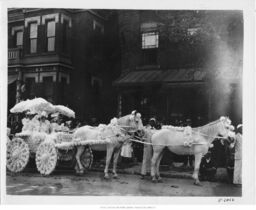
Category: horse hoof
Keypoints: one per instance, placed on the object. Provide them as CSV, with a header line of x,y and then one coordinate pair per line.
x,y
160,180
115,177
142,177
154,180
198,184
79,173
106,177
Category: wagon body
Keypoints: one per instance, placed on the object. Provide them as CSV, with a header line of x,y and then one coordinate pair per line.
x,y
42,148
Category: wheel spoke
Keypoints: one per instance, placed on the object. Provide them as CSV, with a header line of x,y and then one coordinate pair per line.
x,y
46,158
17,155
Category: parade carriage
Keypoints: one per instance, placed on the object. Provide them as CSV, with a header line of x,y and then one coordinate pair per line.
x,y
41,146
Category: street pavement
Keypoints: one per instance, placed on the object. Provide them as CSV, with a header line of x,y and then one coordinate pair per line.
x,y
93,184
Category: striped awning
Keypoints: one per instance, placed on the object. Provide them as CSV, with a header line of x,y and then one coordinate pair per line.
x,y
161,76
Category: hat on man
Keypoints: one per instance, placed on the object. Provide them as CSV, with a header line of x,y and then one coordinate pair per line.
x,y
152,119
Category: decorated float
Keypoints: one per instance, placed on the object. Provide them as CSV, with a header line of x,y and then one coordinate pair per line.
x,y
39,138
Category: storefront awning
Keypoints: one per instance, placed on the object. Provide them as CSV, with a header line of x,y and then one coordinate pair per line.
x,y
139,78
12,79
174,76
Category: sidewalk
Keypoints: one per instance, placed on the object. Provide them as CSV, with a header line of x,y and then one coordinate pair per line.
x,y
166,171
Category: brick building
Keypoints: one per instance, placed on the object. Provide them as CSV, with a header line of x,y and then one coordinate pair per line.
x,y
169,64
181,64
66,56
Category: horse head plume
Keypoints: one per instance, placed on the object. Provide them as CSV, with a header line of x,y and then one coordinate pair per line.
x,y
133,114
225,120
114,121
138,115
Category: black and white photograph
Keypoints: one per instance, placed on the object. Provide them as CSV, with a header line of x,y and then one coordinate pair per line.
x,y
124,102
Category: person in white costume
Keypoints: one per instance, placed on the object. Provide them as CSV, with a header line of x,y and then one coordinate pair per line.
x,y
28,122
45,125
237,179
35,124
147,149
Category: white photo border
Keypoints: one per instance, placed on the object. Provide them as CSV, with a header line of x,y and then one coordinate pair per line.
x,y
248,188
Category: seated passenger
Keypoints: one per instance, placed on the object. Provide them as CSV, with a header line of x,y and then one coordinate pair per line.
x,y
45,125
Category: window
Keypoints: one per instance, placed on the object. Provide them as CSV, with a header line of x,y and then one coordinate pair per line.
x,y
33,37
150,40
150,43
19,38
50,35
150,57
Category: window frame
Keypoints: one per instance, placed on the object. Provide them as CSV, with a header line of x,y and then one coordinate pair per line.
x,y
16,38
149,51
143,40
50,37
33,38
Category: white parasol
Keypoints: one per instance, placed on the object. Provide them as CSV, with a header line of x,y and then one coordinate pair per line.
x,y
19,107
36,105
64,111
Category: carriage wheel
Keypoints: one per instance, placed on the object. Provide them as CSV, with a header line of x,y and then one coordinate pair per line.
x,y
17,155
46,158
87,158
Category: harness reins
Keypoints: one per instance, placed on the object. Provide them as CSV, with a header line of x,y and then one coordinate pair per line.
x,y
185,143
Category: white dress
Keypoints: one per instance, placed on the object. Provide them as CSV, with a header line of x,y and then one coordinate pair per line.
x,y
25,123
45,127
127,150
238,160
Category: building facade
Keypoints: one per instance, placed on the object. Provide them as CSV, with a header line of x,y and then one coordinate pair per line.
x,y
173,65
181,64
60,55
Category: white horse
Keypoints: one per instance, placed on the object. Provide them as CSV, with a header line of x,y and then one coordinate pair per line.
x,y
124,126
194,142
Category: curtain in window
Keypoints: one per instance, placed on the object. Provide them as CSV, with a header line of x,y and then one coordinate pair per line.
x,y
51,28
33,44
33,30
50,35
150,40
33,37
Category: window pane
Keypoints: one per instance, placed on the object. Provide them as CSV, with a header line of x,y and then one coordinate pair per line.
x,y
50,28
33,43
33,30
150,40
51,43
19,38
150,56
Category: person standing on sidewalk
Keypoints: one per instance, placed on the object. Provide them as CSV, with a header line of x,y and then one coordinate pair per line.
x,y
238,156
148,149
